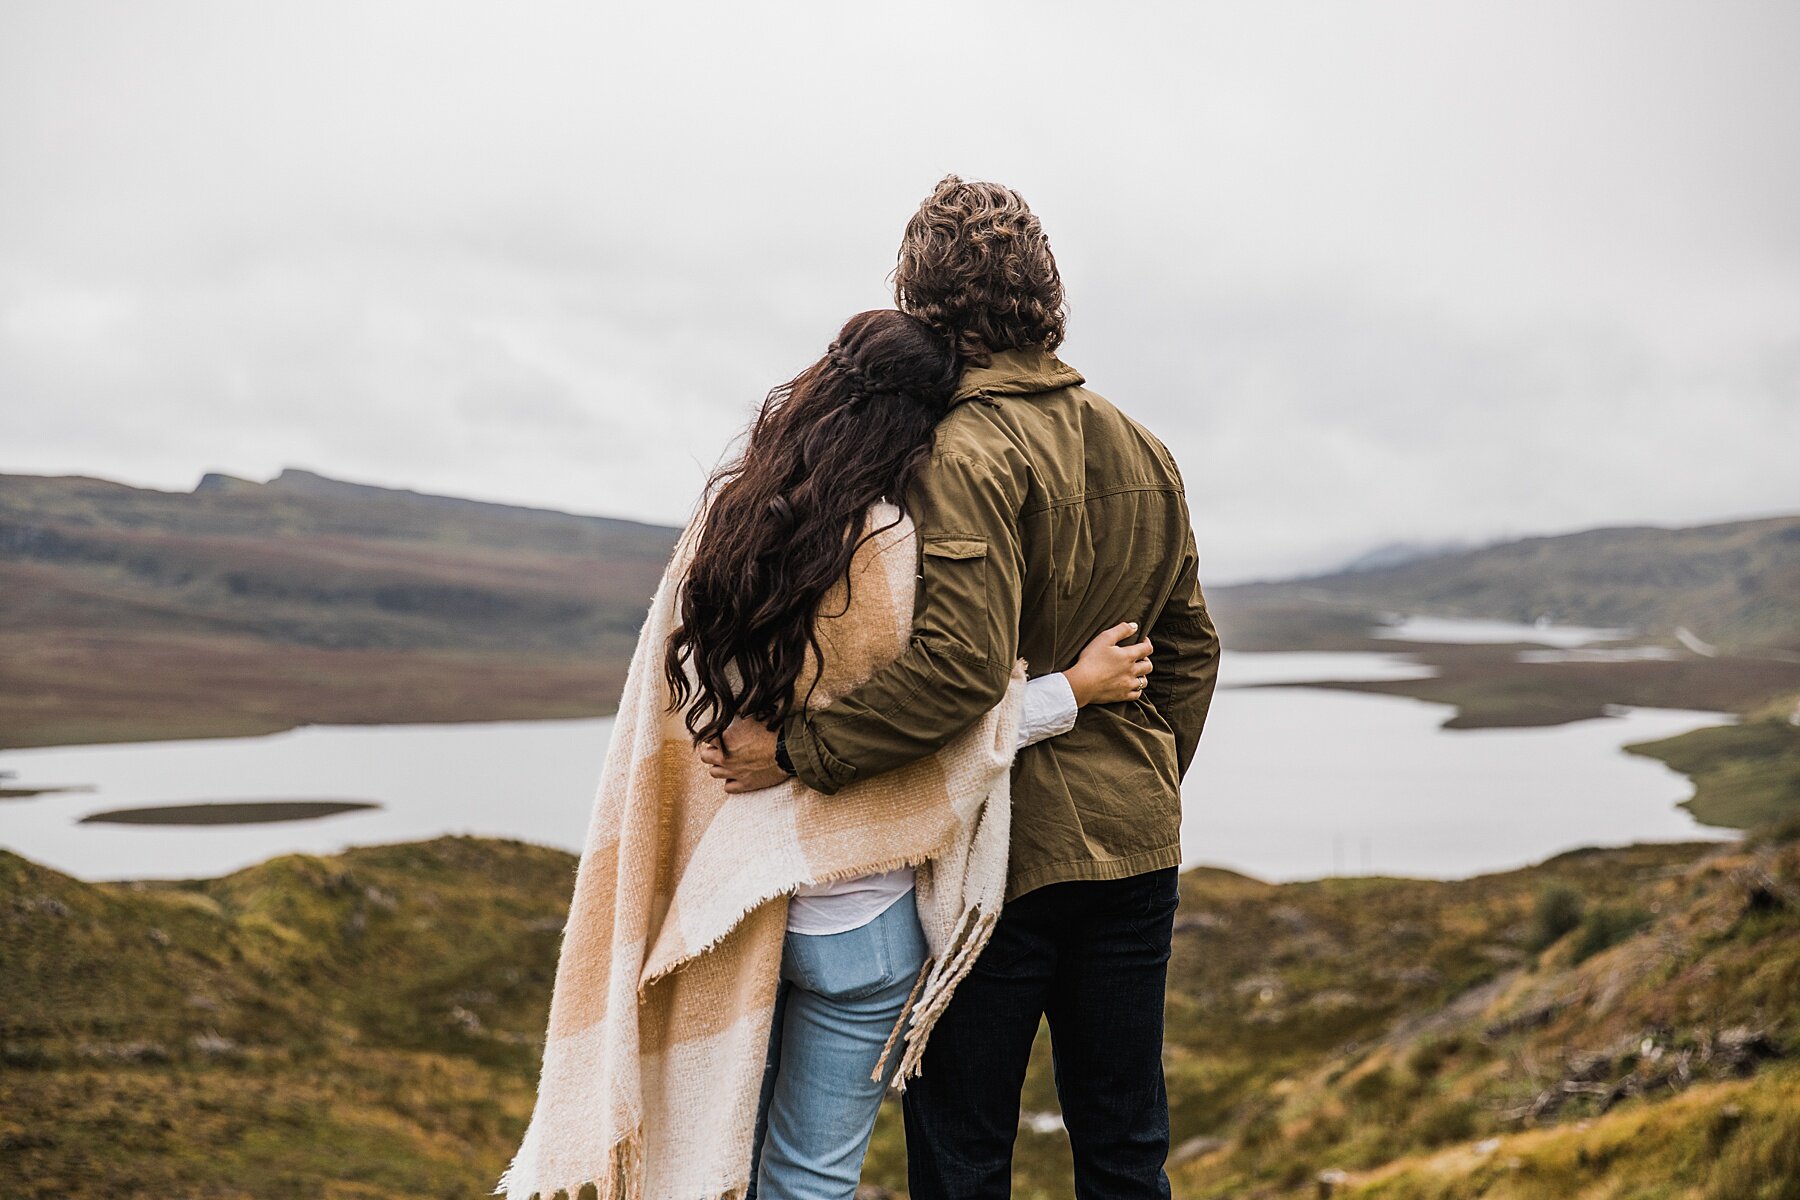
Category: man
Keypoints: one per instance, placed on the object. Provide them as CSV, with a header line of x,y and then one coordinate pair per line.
x,y
1044,515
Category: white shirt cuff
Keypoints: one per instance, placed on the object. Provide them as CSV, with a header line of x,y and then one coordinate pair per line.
x,y
1050,709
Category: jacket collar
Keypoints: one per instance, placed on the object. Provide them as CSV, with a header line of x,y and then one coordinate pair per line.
x,y
1019,372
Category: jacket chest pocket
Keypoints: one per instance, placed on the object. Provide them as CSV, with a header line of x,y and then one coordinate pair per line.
x,y
953,586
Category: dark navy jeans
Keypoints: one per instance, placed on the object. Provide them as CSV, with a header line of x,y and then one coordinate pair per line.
x,y
1092,957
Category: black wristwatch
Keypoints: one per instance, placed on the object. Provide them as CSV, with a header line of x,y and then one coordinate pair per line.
x,y
781,755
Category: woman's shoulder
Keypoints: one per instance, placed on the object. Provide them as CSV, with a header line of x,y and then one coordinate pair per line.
x,y
886,525
884,512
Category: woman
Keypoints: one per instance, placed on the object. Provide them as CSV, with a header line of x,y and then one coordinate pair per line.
x,y
742,973
782,527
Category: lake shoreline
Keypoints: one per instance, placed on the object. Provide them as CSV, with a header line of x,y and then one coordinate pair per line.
x,y
1322,763
1296,779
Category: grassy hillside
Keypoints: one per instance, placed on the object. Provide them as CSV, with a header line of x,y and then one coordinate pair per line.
x,y
1745,775
353,1027
127,613
1616,1023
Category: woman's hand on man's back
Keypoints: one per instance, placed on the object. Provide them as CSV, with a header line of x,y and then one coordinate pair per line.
x,y
1110,671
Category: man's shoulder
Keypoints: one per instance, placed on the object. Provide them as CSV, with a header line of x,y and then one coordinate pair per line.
x,y
1009,434
974,432
1112,433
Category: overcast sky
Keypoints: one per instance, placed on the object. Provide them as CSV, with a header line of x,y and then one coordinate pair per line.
x,y
1373,271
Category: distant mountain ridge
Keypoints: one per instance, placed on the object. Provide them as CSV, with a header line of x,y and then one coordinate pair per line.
x,y
243,607
319,561
1735,584
1393,554
298,481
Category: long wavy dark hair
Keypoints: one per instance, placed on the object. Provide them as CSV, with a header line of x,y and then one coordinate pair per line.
x,y
783,520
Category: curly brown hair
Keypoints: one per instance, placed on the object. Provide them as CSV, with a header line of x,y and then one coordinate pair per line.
x,y
975,265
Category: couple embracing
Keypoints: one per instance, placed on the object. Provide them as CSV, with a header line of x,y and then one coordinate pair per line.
x,y
896,773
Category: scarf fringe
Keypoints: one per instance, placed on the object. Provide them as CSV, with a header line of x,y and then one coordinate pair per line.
x,y
622,1177
934,998
912,997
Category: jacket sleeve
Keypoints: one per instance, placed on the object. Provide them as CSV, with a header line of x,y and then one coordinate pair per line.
x,y
1185,653
964,639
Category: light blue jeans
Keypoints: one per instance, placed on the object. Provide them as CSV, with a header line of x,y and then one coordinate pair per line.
x,y
840,996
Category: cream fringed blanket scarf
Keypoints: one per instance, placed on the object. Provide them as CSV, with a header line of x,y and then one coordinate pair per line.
x,y
665,990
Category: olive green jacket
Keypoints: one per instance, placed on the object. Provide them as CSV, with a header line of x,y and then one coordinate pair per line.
x,y
1045,515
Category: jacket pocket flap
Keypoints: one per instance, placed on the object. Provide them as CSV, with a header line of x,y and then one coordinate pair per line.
x,y
957,548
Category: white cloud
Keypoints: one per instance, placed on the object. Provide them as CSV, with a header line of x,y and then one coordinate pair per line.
x,y
1401,271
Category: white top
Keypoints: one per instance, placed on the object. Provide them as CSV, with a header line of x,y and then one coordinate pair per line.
x,y
848,904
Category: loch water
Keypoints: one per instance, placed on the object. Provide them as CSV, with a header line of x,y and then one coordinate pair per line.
x,y
1290,782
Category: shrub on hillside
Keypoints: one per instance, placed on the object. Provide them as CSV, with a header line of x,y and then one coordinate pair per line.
x,y
1558,910
1607,925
